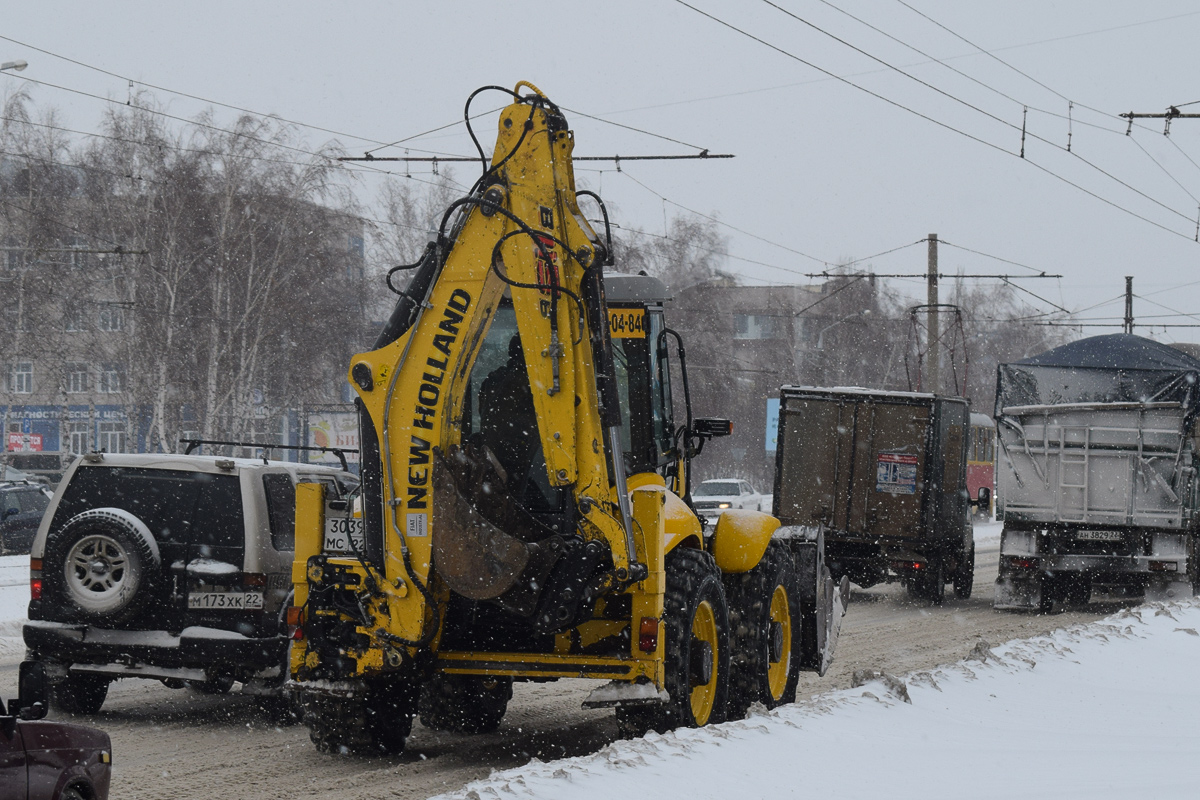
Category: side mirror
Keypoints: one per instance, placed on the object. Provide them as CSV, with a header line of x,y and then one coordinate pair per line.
x,y
711,427
32,702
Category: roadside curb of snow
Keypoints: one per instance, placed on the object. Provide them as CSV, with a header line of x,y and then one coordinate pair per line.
x,y
1018,655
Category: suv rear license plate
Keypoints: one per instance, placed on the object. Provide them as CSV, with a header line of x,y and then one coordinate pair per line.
x,y
232,601
1101,536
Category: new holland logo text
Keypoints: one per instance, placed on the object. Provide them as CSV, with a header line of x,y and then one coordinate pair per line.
x,y
428,396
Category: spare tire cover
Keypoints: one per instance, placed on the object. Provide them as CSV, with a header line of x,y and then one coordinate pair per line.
x,y
102,563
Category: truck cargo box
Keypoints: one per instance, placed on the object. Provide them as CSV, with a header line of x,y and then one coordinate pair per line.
x,y
1096,480
885,472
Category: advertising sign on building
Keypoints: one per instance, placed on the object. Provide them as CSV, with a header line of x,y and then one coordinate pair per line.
x,y
333,429
25,443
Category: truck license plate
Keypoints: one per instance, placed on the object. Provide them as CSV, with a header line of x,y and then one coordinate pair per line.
x,y
340,531
1100,536
225,601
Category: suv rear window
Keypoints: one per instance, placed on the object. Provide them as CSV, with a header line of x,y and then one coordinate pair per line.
x,y
281,508
176,505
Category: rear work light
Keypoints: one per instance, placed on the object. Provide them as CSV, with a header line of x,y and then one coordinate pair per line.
x,y
648,634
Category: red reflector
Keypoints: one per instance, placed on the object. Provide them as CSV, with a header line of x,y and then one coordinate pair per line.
x,y
298,634
35,588
1016,562
648,635
295,616
1164,566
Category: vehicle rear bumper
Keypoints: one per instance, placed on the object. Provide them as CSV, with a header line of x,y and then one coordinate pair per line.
x,y
194,654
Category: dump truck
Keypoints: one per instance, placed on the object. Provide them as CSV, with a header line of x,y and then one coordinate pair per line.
x,y
1096,480
885,474
525,505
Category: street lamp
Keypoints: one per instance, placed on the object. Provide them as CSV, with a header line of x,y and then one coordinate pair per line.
x,y
15,66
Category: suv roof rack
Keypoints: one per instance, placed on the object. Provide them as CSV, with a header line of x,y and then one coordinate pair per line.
x,y
340,452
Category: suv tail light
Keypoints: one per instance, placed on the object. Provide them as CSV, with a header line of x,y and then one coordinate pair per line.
x,y
254,580
35,579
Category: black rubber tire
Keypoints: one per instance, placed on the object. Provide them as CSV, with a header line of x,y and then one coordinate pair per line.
x,y
80,693
376,722
128,595
964,575
692,579
464,703
749,597
74,793
391,705
929,584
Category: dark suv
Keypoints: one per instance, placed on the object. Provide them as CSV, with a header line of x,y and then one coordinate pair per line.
x,y
22,504
170,567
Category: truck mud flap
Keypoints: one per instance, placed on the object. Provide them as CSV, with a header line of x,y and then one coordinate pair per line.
x,y
1018,592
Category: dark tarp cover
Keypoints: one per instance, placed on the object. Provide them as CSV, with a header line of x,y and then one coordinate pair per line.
x,y
1115,368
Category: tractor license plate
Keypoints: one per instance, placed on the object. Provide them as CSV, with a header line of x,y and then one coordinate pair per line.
x,y
340,531
1100,536
225,601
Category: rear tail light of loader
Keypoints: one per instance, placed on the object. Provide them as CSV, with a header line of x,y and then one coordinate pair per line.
x,y
648,634
295,622
35,579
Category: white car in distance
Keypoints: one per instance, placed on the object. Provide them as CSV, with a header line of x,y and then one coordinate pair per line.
x,y
713,498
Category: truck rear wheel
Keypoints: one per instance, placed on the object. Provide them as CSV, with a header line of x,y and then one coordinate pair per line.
x,y
696,641
464,703
764,620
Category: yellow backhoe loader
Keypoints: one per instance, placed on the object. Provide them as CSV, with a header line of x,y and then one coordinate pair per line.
x,y
525,513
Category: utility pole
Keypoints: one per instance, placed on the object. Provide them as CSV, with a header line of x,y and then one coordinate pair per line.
x,y
1129,304
933,354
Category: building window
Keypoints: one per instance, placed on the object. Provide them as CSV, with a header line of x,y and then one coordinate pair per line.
x,y
112,379
112,318
20,377
73,320
758,326
14,320
111,438
79,437
77,378
77,256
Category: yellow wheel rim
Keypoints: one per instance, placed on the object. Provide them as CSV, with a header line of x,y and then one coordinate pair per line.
x,y
777,671
704,695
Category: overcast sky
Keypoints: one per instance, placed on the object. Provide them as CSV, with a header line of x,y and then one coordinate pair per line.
x,y
824,171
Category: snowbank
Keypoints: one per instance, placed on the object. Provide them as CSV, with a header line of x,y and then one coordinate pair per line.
x,y
1103,710
14,603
